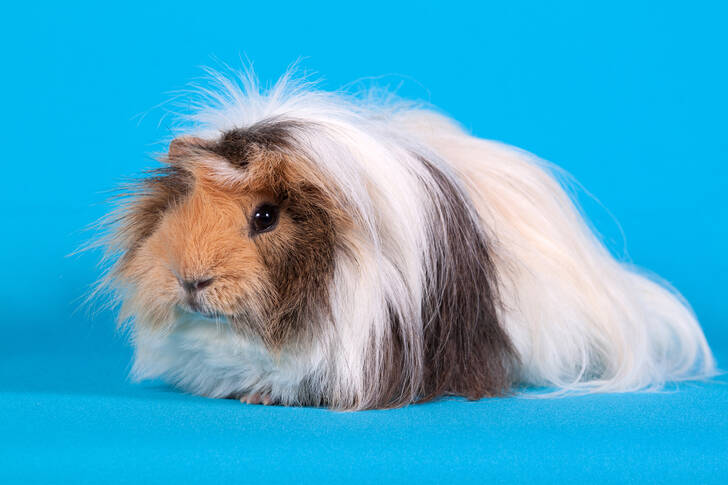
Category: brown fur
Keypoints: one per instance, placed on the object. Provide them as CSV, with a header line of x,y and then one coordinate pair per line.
x,y
188,225
465,352
240,146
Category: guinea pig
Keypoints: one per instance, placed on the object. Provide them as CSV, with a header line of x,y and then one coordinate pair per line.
x,y
306,248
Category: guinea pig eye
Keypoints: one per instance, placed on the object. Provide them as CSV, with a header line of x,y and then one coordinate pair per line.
x,y
264,218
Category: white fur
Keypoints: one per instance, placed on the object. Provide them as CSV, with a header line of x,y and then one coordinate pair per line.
x,y
209,358
580,320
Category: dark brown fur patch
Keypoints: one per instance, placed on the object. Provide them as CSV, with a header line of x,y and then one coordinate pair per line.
x,y
393,385
241,144
467,352
301,266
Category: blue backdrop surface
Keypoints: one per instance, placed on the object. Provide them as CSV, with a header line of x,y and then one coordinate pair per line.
x,y
630,97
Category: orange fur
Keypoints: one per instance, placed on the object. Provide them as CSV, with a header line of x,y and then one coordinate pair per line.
x,y
206,234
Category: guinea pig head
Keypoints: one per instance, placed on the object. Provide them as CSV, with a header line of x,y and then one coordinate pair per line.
x,y
235,229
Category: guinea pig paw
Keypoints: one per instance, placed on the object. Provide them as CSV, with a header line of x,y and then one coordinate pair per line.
x,y
256,398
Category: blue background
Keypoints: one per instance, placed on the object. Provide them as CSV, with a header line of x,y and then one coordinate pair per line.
x,y
629,97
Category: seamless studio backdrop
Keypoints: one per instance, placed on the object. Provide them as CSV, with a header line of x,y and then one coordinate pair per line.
x,y
630,98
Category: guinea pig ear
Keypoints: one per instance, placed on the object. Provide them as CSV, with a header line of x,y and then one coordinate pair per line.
x,y
186,145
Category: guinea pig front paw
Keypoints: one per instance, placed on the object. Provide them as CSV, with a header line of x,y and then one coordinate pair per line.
x,y
257,398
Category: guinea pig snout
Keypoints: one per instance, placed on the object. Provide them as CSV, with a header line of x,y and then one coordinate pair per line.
x,y
195,299
192,286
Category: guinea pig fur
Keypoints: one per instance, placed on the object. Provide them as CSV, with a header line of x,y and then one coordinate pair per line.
x,y
306,248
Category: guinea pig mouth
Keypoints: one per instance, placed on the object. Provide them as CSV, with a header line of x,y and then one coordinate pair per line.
x,y
191,307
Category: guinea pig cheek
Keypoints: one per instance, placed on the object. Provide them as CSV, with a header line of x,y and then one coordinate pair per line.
x,y
240,285
151,292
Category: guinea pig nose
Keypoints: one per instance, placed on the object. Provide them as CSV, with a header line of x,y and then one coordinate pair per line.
x,y
191,286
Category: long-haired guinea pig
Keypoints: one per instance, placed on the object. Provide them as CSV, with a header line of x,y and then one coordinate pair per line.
x,y
306,248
